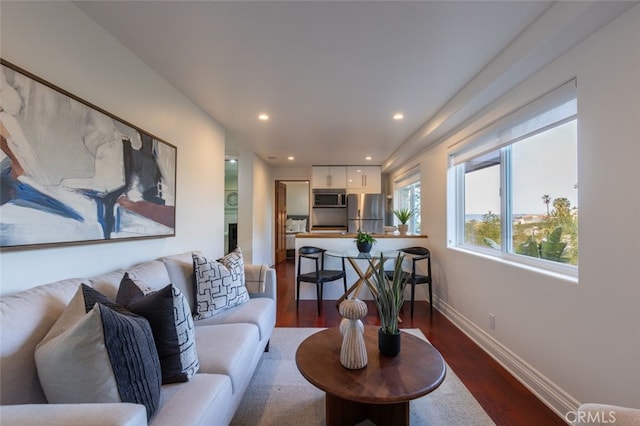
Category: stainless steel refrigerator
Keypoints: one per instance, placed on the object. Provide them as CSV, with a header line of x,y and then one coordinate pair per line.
x,y
365,212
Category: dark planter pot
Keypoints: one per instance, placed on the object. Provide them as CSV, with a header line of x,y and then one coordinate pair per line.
x,y
364,247
388,344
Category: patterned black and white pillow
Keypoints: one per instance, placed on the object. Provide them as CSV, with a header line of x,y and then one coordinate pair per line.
x,y
219,285
169,315
235,264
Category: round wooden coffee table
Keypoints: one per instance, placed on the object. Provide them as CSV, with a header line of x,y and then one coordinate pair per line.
x,y
382,390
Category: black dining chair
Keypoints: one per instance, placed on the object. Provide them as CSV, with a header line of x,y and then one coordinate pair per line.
x,y
319,275
417,254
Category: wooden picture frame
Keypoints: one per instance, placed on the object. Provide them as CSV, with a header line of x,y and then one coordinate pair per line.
x,y
72,173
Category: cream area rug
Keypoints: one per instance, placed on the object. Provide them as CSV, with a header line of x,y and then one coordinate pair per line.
x,y
278,395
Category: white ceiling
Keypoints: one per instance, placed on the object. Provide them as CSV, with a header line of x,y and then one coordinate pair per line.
x,y
329,74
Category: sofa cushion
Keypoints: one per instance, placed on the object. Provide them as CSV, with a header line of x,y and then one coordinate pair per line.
x,y
206,399
180,269
121,414
255,277
260,311
25,318
171,323
106,284
228,349
152,275
94,353
219,285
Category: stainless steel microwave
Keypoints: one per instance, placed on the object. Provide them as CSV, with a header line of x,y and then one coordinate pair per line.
x,y
329,199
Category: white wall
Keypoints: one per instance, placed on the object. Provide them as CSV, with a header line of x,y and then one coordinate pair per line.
x,y
291,173
263,196
255,209
245,204
59,43
570,342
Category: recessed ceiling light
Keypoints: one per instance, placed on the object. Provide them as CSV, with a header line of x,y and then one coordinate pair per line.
x,y
290,158
263,117
368,158
398,116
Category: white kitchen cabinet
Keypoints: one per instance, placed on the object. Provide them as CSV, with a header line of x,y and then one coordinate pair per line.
x,y
364,179
328,177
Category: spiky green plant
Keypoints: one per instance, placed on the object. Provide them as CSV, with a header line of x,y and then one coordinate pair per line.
x,y
404,215
388,294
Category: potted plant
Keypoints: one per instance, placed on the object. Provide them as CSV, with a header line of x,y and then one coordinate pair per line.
x,y
388,294
403,215
364,241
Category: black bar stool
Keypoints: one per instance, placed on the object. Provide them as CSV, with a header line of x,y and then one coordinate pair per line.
x,y
319,275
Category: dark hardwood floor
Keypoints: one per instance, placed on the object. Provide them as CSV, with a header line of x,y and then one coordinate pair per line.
x,y
505,400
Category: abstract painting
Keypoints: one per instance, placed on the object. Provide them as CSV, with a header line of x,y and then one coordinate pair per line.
x,y
72,173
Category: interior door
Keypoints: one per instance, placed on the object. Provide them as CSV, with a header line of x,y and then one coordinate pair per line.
x,y
281,221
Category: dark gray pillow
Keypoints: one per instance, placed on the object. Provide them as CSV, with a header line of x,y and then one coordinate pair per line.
x,y
169,314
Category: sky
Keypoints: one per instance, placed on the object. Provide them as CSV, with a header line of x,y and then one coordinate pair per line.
x,y
543,164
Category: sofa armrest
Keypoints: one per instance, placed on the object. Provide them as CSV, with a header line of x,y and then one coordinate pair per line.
x,y
260,281
123,414
604,414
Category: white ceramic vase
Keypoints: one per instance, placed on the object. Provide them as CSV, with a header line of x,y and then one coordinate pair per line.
x,y
353,353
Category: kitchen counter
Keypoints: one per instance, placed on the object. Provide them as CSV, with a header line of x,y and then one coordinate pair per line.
x,y
352,235
328,229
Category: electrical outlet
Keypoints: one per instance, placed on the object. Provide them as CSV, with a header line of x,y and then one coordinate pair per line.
x,y
492,321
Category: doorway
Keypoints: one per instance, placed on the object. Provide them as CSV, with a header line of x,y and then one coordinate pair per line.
x,y
230,205
292,215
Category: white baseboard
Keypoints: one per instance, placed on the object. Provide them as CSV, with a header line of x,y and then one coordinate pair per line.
x,y
548,392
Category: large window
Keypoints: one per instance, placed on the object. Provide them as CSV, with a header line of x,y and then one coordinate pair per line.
x,y
408,197
515,186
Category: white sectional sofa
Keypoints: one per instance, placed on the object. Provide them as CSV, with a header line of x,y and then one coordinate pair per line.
x,y
229,346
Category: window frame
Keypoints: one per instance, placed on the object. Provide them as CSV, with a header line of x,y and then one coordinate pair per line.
x,y
476,146
409,180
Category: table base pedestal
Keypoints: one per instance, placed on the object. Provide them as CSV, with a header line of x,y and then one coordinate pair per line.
x,y
342,412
